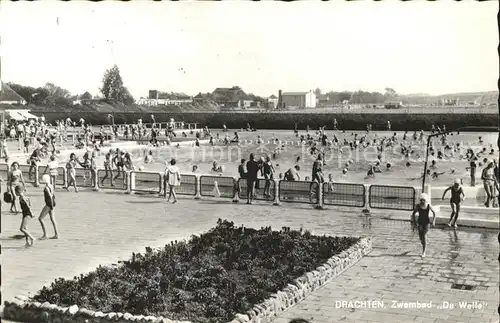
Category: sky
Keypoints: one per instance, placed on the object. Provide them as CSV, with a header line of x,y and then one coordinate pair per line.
x,y
192,47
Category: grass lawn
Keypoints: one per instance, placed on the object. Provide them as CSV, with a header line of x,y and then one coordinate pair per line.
x,y
210,278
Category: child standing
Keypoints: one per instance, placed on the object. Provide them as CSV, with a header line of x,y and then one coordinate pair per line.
x,y
457,196
25,204
50,203
423,222
173,179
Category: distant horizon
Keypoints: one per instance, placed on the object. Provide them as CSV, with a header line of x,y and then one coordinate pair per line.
x,y
188,47
323,92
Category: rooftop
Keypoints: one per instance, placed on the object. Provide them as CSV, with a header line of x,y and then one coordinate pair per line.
x,y
9,95
294,93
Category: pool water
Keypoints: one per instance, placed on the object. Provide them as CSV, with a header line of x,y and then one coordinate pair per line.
x,y
228,156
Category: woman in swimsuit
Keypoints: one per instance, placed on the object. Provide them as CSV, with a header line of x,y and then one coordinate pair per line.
x,y
34,160
25,204
457,196
423,222
488,178
85,164
107,168
50,203
71,169
15,177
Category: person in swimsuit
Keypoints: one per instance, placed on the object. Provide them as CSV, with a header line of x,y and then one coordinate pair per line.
x,y
118,161
50,203
14,179
71,169
488,178
25,204
52,169
457,196
423,222
85,164
108,169
33,160
268,170
93,170
127,161
317,177
291,174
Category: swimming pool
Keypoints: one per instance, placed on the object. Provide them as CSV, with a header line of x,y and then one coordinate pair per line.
x,y
229,156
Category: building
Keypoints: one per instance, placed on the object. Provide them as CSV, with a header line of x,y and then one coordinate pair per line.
x,y
9,96
393,104
299,99
233,97
200,97
19,115
272,101
323,100
159,98
450,102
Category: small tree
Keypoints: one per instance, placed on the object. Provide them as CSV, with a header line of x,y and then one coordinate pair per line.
x,y
56,91
113,88
390,92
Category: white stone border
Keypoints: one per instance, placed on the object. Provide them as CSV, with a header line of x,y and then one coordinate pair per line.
x,y
307,283
23,310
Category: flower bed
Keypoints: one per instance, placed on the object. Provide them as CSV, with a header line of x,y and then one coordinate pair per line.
x,y
211,278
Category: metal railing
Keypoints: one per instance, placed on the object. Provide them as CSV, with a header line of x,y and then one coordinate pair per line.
x,y
260,185
305,192
344,194
104,182
29,173
298,192
148,182
189,185
60,178
392,197
226,186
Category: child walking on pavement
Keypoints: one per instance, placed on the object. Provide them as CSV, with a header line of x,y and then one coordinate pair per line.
x,y
457,196
423,222
25,204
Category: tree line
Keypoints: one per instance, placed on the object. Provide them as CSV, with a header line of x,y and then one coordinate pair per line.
x,y
112,89
358,97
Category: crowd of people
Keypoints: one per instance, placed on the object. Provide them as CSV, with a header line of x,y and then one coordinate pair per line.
x,y
15,194
43,139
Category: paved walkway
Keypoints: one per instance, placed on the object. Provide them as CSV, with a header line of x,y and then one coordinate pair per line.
x,y
100,228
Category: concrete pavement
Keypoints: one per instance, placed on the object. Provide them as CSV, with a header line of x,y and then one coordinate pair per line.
x,y
101,228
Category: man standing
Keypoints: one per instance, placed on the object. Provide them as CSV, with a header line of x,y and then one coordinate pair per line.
x,y
252,170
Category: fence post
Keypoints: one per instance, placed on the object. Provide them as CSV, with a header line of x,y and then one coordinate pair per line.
x,y
163,186
96,181
130,179
37,175
198,187
428,191
65,177
367,208
276,192
319,194
236,198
